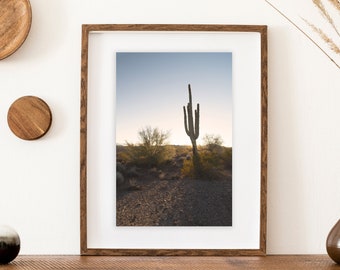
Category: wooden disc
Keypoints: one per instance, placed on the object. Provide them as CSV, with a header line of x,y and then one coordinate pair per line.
x,y
15,24
29,118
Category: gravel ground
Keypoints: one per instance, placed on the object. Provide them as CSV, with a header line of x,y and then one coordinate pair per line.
x,y
180,202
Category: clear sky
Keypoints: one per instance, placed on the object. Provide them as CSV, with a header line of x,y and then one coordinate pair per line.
x,y
152,88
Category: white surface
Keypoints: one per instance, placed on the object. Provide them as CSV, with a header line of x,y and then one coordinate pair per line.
x,y
39,180
102,232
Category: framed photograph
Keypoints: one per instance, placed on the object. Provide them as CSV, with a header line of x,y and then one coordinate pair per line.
x,y
173,140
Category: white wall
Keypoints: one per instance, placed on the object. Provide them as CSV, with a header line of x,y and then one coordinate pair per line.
x,y
39,180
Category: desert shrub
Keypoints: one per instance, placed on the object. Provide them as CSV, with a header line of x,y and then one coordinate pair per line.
x,y
125,174
209,163
152,149
188,168
212,142
227,157
183,150
122,155
215,159
120,179
120,167
212,164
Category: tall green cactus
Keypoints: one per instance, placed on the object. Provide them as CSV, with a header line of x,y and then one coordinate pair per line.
x,y
192,126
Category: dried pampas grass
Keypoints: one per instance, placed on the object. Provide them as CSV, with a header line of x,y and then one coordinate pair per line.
x,y
321,7
329,17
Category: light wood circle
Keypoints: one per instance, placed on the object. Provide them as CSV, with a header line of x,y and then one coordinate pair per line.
x,y
29,118
15,24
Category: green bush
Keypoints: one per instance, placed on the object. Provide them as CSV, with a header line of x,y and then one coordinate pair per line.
x,y
215,159
151,151
227,157
212,142
188,168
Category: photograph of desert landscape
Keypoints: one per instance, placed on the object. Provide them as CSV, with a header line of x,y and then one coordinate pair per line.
x,y
174,139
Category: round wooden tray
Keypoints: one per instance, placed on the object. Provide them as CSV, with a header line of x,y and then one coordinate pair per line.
x,y
29,118
15,24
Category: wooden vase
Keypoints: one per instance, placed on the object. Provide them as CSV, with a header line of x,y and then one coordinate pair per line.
x,y
333,243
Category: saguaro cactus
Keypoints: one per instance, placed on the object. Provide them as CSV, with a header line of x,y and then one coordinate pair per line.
x,y
192,126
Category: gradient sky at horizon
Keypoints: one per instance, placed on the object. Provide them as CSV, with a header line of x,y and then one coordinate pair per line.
x,y
152,88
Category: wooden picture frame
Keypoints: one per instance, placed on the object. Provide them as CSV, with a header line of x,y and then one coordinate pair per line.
x,y
89,91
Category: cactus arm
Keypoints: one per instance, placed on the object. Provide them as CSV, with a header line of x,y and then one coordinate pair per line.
x,y
185,122
190,120
190,97
197,121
